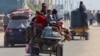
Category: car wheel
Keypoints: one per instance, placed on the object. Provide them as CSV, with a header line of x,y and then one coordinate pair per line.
x,y
6,42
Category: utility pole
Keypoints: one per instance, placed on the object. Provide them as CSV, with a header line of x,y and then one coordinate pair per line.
x,y
18,1
66,5
55,3
62,9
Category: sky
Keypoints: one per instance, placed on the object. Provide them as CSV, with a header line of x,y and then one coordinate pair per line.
x,y
90,4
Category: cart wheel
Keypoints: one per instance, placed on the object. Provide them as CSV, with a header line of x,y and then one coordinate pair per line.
x,y
86,35
73,33
59,50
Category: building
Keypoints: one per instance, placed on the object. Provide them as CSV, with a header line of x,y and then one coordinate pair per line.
x,y
6,6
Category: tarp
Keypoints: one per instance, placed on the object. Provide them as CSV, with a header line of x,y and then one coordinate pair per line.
x,y
78,19
21,12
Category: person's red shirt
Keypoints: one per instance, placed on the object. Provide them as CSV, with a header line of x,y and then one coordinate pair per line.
x,y
41,19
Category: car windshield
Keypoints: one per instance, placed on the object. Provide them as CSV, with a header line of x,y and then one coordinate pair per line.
x,y
18,24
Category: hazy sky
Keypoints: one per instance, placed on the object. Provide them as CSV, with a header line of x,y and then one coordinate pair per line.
x,y
90,4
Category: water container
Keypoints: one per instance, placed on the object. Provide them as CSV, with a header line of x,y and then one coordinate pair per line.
x,y
48,31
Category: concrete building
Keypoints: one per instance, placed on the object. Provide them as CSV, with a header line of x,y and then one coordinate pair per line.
x,y
6,6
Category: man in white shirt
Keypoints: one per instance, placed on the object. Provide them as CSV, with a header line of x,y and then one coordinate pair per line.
x,y
90,17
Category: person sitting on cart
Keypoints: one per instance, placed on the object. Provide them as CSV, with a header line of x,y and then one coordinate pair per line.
x,y
36,27
39,24
83,14
49,18
55,15
57,26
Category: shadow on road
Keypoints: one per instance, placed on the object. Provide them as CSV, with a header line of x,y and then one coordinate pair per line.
x,y
1,46
18,46
79,40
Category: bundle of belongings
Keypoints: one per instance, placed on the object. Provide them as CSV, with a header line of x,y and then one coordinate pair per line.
x,y
78,19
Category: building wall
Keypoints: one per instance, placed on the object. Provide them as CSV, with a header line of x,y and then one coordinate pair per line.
x,y
7,6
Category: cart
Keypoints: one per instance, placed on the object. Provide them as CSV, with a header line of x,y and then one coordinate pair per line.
x,y
79,24
50,45
80,31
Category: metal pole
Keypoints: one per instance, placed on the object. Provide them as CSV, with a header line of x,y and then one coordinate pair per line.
x,y
59,5
63,6
78,4
55,4
70,10
51,3
18,3
66,5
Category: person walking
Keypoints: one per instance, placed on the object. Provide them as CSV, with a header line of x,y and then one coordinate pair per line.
x,y
90,17
6,20
98,17
65,16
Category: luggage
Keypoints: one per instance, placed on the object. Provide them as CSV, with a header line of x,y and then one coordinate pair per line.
x,y
78,19
75,19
